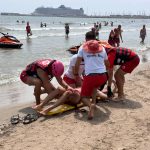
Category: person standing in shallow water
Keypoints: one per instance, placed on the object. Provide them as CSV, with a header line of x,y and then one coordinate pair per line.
x,y
67,28
143,34
118,35
28,30
111,39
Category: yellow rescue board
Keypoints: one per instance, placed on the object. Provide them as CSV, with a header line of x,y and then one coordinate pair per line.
x,y
63,108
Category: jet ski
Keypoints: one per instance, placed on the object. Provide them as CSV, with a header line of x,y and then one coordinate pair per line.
x,y
9,41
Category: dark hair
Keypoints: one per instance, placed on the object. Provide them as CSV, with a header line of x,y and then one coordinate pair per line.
x,y
119,26
90,35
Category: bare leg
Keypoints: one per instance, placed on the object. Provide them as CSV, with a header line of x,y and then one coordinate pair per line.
x,y
37,93
51,96
87,102
91,111
120,80
115,90
60,101
37,89
94,96
42,91
93,105
143,39
101,95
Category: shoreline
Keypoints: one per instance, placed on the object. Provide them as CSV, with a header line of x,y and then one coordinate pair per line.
x,y
18,98
15,93
84,16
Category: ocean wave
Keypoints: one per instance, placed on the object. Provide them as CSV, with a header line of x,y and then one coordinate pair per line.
x,y
22,37
46,29
7,79
148,29
145,49
2,29
61,28
104,31
129,30
58,34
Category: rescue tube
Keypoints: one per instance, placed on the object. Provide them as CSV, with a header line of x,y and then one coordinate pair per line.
x,y
74,49
105,44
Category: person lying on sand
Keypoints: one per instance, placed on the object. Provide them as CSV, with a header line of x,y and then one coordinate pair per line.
x,y
70,96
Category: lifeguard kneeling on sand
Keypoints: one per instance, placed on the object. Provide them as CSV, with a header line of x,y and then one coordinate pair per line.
x,y
40,72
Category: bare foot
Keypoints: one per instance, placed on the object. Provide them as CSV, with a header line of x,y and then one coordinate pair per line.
x,y
44,112
120,98
37,107
91,112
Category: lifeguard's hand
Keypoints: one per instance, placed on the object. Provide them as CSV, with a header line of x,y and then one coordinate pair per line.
x,y
109,92
69,88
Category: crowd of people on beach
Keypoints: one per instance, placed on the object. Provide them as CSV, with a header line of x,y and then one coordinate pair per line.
x,y
88,72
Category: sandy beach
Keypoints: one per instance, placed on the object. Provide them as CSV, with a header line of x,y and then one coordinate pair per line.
x,y
116,126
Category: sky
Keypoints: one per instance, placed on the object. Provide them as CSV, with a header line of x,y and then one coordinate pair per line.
x,y
91,7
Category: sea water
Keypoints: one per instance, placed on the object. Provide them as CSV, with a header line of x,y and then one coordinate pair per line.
x,y
50,41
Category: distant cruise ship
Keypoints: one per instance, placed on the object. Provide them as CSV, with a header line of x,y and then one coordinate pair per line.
x,y
61,11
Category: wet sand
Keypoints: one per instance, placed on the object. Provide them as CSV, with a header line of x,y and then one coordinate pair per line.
x,y
116,126
15,93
